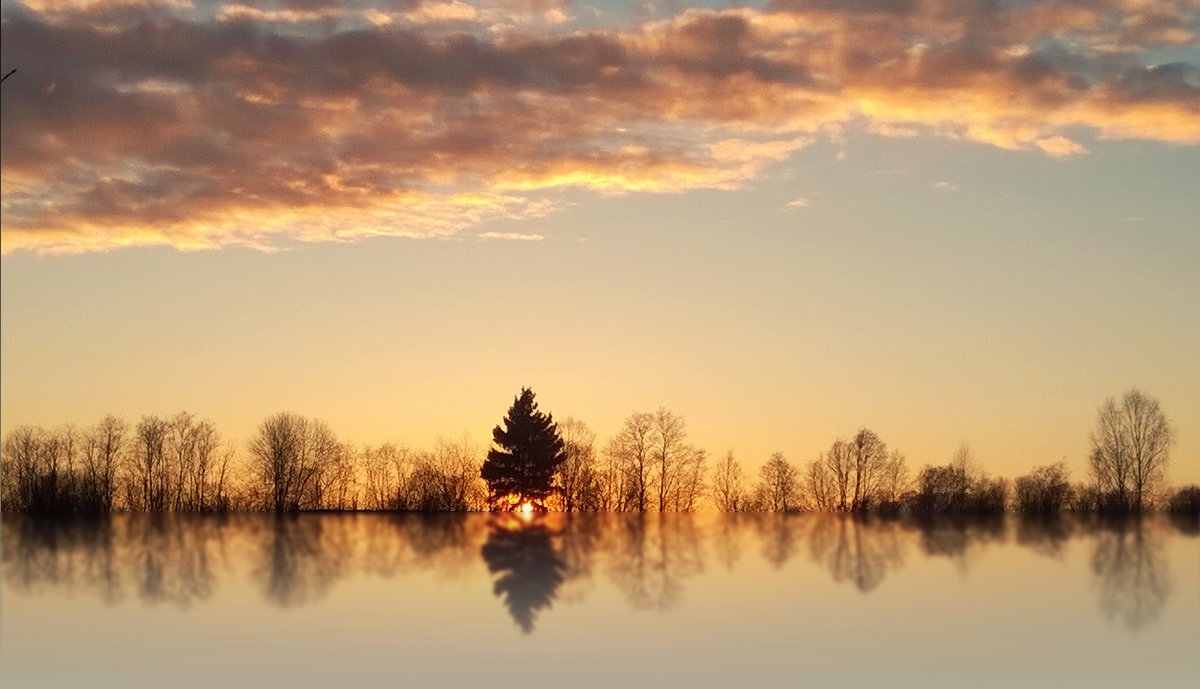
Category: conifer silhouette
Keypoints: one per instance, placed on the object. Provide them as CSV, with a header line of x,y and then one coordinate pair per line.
x,y
520,469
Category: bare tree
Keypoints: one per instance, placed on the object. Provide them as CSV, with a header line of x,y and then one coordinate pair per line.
x,y
148,465
839,462
820,484
379,478
729,485
1045,490
290,456
458,462
869,455
577,477
668,453
779,484
105,447
613,490
631,452
180,457
1130,449
21,468
894,480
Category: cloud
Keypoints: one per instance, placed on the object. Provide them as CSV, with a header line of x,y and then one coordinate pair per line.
x,y
513,236
798,202
139,122
944,186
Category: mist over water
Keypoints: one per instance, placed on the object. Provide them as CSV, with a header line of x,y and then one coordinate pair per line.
x,y
593,599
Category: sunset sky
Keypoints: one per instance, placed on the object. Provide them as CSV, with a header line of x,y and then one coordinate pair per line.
x,y
947,221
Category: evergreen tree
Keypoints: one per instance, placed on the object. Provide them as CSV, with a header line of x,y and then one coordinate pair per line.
x,y
528,451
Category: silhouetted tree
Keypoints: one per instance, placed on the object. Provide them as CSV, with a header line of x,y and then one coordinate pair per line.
x,y
1130,450
1185,501
779,484
839,467
290,454
820,486
1045,490
729,485
149,465
630,453
678,467
869,455
577,477
949,489
942,489
528,451
103,454
894,482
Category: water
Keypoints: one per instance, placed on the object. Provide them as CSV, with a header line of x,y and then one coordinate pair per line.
x,y
598,601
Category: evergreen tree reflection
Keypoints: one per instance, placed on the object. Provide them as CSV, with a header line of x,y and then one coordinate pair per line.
x,y
521,551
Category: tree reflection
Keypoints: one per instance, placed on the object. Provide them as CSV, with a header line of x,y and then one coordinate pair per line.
x,y
780,533
43,553
172,552
1045,534
1186,524
161,558
954,536
652,555
727,539
582,538
1130,571
301,556
521,550
397,543
858,549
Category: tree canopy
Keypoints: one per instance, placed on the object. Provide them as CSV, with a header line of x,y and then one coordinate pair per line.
x,y
520,469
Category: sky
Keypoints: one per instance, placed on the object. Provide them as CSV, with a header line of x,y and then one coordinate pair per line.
x,y
946,221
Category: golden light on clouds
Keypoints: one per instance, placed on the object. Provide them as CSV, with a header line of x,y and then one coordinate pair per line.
x,y
253,124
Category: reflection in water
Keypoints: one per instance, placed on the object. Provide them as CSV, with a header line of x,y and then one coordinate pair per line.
x,y
521,550
1045,535
952,535
650,559
728,536
1131,571
780,534
301,557
160,558
652,555
858,549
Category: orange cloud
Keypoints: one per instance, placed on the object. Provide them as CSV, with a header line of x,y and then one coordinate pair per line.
x,y
303,120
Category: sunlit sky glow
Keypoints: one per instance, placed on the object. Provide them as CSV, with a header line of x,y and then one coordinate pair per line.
x,y
946,220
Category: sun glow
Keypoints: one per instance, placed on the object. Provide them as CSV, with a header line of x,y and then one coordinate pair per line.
x,y
525,507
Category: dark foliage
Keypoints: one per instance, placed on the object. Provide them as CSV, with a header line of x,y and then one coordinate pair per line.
x,y
1043,491
528,452
948,489
1185,501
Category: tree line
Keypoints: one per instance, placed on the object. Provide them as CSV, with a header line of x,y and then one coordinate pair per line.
x,y
181,463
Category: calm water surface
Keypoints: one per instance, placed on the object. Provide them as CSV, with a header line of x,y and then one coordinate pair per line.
x,y
598,600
